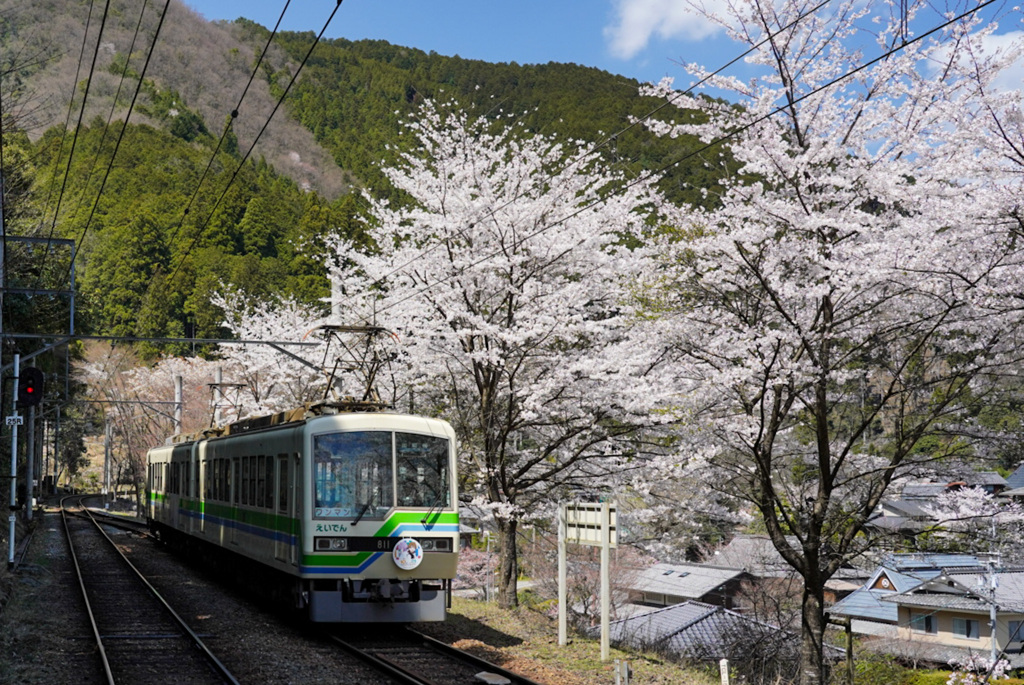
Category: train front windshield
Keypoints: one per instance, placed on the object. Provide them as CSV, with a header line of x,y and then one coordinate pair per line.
x,y
363,474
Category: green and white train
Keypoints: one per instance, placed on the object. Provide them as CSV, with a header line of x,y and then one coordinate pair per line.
x,y
350,516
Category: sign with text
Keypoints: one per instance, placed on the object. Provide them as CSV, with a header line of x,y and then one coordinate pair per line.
x,y
585,520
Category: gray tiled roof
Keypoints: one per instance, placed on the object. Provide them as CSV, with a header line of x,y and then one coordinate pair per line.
x,y
985,478
905,572
923,490
1016,479
966,592
755,554
866,603
693,630
908,563
906,508
691,581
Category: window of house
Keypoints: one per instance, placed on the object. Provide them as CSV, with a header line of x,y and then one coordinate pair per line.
x,y
1016,631
966,627
923,623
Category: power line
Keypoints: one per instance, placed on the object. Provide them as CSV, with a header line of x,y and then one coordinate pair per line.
x,y
117,145
71,107
280,100
490,212
705,148
81,115
103,138
228,126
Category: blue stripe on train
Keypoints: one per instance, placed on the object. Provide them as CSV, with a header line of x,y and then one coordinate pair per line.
x,y
292,540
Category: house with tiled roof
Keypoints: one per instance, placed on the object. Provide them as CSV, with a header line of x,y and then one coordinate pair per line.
x,y
989,481
948,616
695,630
866,607
1015,483
755,554
702,632
667,584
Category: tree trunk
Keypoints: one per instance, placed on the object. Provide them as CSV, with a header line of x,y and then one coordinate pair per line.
x,y
812,625
508,571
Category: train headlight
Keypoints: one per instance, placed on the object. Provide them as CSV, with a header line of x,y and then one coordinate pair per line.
x,y
436,544
331,544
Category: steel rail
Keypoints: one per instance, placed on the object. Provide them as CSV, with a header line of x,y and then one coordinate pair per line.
x,y
220,668
85,594
445,648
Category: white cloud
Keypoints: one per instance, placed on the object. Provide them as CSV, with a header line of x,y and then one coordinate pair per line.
x,y
637,20
1008,45
1012,78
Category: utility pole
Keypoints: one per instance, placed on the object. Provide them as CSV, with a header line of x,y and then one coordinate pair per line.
x,y
106,462
993,610
13,420
30,458
178,393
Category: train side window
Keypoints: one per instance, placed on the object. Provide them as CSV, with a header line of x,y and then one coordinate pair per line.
x,y
282,483
268,481
218,476
252,480
246,476
261,481
236,480
225,480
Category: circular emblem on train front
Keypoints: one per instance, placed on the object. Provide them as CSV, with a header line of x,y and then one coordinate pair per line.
x,y
407,554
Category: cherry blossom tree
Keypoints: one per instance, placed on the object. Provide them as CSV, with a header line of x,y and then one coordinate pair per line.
x,y
980,520
137,402
510,280
275,377
846,299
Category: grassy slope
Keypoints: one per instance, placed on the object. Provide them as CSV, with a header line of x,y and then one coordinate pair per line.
x,y
525,641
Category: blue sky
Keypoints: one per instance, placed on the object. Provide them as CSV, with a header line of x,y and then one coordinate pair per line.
x,y
643,39
525,31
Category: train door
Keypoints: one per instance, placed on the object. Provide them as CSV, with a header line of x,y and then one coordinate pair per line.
x,y
286,537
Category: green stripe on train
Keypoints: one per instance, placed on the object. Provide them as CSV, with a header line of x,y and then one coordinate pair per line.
x,y
283,524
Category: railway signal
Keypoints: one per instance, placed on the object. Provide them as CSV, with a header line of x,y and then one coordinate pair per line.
x,y
30,387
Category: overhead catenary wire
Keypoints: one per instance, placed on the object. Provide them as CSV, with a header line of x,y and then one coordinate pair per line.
x,y
71,108
489,212
708,146
229,124
81,115
85,230
103,138
245,158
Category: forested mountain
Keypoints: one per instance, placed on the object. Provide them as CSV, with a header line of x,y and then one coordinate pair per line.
x,y
175,214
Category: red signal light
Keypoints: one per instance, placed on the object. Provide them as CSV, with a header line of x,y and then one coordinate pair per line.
x,y
30,387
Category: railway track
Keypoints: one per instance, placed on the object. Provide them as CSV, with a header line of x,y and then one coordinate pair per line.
x,y
139,637
415,659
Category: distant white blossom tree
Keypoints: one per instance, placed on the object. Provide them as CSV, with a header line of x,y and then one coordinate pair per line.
x,y
846,298
276,378
138,402
981,521
510,280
